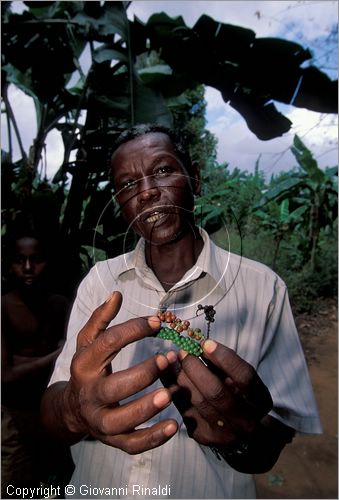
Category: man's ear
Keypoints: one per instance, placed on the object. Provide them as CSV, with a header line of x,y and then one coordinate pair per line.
x,y
196,180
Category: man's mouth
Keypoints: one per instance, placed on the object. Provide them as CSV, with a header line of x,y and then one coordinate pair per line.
x,y
154,217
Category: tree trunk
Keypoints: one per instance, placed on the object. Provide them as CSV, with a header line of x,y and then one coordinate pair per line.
x,y
278,240
314,234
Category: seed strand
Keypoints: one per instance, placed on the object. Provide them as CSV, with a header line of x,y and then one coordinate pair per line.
x,y
172,331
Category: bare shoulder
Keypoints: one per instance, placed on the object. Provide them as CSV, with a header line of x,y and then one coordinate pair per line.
x,y
9,300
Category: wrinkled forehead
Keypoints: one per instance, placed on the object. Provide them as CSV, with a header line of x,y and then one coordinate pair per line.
x,y
143,147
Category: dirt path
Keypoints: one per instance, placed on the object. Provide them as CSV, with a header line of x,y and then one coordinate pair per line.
x,y
308,468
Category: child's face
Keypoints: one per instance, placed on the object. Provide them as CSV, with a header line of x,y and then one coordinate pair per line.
x,y
28,263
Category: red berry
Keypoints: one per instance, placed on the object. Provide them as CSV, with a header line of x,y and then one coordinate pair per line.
x,y
168,317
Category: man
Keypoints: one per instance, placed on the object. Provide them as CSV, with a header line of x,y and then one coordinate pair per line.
x,y
234,410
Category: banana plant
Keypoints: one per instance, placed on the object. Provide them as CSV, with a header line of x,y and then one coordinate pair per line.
x,y
314,193
41,56
280,221
250,73
42,49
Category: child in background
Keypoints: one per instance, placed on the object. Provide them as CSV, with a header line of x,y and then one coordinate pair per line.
x,y
33,328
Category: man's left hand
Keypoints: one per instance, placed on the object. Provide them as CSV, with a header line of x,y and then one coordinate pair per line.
x,y
223,404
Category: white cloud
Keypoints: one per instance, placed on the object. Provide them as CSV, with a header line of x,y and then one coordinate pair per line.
x,y
213,98
241,148
24,111
264,17
55,150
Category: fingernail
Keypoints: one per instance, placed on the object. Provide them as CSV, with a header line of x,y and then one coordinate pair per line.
x,y
153,321
161,399
182,354
161,361
170,429
209,346
171,356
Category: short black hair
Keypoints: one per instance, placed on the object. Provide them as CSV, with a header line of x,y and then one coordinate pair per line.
x,y
12,240
180,148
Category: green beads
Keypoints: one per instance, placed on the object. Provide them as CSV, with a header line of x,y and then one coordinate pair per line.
x,y
189,343
185,343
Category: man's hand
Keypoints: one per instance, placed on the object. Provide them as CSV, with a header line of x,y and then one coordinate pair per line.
x,y
90,402
225,404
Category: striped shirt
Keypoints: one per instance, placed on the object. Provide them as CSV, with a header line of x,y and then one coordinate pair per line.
x,y
253,317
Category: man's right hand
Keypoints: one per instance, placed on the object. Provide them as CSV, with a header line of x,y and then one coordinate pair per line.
x,y
89,403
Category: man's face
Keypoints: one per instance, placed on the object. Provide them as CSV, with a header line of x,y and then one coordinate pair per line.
x,y
28,263
153,188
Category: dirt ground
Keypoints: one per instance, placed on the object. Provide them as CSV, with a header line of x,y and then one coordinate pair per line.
x,y
308,467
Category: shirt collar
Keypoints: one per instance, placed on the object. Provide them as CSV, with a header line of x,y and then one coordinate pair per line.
x,y
206,263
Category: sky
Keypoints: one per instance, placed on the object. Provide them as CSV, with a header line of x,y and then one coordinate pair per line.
x,y
306,22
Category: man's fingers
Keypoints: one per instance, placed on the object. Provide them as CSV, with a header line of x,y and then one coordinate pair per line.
x,y
228,362
143,439
207,393
105,346
120,385
169,377
126,417
99,320
183,391
240,376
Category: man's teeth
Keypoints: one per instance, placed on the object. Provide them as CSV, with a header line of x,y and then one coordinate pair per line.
x,y
154,217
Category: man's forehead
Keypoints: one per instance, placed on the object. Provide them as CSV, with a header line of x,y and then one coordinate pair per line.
x,y
152,140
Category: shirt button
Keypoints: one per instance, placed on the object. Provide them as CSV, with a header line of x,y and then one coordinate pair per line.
x,y
142,462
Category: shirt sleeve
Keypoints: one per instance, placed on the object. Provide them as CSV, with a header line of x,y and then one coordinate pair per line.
x,y
283,368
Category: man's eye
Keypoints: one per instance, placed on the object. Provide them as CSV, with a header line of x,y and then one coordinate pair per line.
x,y
163,170
128,184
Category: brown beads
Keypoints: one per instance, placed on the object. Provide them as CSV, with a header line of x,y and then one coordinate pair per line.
x,y
173,332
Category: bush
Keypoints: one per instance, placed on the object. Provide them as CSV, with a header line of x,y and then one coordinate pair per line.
x,y
304,285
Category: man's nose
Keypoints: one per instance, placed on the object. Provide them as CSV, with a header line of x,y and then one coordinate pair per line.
x,y
147,189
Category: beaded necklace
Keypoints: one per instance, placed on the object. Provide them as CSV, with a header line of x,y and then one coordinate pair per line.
x,y
180,332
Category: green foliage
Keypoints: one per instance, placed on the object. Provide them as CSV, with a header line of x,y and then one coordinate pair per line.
x,y
289,224
156,71
311,191
227,196
305,283
112,92
190,119
188,109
